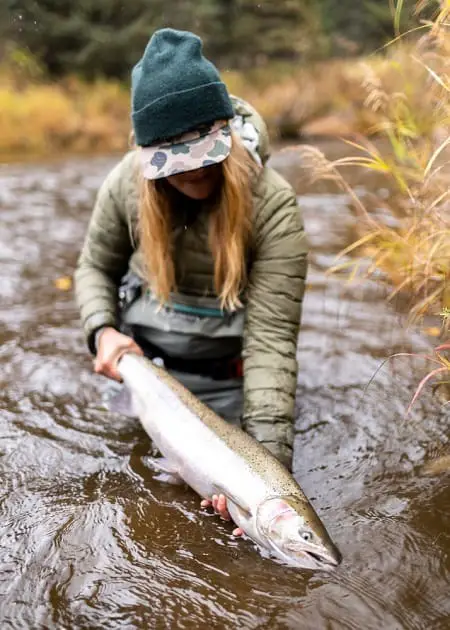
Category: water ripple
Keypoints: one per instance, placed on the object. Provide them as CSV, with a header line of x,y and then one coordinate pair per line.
x,y
88,539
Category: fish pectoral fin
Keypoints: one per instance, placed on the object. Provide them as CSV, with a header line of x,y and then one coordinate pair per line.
x,y
244,510
165,469
240,516
173,478
160,464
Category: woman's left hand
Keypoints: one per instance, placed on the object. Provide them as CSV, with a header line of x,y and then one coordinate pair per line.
x,y
219,503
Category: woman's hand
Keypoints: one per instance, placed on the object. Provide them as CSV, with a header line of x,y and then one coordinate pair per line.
x,y
219,503
111,345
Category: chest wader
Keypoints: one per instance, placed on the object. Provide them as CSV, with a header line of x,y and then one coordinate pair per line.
x,y
199,344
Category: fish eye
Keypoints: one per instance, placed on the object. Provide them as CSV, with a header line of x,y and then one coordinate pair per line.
x,y
307,536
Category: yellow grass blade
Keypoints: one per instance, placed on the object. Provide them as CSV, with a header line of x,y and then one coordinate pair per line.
x,y
434,74
437,201
399,288
395,40
424,304
342,266
356,244
435,155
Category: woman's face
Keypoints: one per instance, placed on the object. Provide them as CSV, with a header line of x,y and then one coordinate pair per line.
x,y
198,184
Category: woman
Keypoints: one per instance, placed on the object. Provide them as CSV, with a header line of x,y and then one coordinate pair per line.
x,y
195,252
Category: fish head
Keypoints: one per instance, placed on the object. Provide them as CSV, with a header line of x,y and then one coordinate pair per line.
x,y
295,533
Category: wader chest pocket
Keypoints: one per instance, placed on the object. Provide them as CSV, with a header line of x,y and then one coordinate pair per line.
x,y
187,315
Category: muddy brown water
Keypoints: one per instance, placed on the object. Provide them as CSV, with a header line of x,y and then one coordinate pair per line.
x,y
89,540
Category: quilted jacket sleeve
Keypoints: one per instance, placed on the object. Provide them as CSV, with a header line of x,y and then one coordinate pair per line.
x,y
275,294
104,257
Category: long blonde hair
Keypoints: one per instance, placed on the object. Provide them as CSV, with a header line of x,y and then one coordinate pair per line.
x,y
229,231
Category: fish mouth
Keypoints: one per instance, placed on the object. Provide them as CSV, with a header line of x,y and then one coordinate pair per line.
x,y
324,561
319,559
314,556
323,555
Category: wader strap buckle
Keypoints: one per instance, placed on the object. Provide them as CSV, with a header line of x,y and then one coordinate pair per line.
x,y
235,368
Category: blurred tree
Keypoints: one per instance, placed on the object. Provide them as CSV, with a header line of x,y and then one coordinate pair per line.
x,y
92,37
244,33
5,27
361,26
106,37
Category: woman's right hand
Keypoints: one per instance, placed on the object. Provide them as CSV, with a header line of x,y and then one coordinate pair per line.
x,y
111,345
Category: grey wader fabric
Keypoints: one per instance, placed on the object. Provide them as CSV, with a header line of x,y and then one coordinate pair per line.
x,y
193,327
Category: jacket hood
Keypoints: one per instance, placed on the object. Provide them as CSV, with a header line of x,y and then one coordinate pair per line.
x,y
252,129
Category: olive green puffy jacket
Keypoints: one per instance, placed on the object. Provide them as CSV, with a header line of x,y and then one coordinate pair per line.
x,y
273,297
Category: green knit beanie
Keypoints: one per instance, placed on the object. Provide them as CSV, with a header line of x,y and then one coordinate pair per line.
x,y
175,89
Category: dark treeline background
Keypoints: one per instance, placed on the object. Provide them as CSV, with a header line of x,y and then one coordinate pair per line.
x,y
105,37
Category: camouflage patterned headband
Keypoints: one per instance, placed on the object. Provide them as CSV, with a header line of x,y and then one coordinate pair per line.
x,y
206,145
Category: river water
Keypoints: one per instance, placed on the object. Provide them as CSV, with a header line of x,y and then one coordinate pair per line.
x,y
89,540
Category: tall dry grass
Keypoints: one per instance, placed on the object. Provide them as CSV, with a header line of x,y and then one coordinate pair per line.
x,y
40,117
407,91
414,115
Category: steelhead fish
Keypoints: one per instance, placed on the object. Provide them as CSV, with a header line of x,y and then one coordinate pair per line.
x,y
214,457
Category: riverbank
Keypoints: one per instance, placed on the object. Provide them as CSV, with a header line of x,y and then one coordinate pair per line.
x,y
326,99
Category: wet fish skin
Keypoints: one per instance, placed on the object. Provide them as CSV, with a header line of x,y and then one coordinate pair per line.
x,y
214,457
